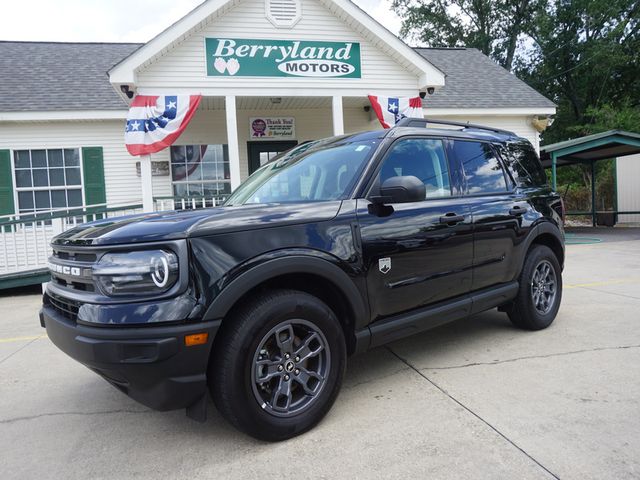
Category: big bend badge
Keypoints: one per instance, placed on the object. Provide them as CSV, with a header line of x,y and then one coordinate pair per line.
x,y
384,265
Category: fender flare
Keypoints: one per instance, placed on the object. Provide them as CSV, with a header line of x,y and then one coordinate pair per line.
x,y
542,228
276,267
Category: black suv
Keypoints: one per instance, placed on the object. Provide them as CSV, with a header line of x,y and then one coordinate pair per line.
x,y
335,247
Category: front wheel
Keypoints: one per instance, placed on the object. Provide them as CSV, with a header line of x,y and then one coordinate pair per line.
x,y
538,300
278,365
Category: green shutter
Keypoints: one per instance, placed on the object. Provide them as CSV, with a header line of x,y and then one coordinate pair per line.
x,y
93,172
7,206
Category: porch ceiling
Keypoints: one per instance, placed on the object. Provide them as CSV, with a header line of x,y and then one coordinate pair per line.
x,y
286,103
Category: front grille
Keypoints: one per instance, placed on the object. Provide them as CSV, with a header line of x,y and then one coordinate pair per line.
x,y
67,308
74,256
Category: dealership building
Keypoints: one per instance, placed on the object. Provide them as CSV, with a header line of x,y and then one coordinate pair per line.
x,y
272,73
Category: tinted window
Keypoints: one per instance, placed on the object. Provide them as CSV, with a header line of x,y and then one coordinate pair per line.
x,y
321,172
482,170
524,164
423,158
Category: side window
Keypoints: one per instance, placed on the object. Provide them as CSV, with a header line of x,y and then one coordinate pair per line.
x,y
423,158
483,172
523,161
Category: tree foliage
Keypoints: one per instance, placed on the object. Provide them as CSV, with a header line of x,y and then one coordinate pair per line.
x,y
582,54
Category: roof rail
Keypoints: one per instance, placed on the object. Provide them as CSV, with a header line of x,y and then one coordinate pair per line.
x,y
423,122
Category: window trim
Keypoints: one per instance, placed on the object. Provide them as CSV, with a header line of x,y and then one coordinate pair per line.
x,y
17,189
371,183
199,182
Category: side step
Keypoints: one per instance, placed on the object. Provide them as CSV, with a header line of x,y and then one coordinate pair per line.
x,y
400,326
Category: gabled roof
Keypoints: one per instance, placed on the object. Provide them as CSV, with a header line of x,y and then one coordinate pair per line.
x,y
46,76
475,81
124,72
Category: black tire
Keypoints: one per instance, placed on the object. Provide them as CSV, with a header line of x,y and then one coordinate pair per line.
x,y
526,312
249,337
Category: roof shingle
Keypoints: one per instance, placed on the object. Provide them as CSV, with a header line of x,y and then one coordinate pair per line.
x,y
473,80
50,76
47,76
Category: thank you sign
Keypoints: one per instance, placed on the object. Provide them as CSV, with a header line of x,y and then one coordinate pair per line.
x,y
281,58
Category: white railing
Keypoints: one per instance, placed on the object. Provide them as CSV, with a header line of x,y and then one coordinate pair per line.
x,y
163,204
25,238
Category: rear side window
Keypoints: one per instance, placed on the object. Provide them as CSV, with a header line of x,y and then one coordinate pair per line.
x,y
483,172
523,162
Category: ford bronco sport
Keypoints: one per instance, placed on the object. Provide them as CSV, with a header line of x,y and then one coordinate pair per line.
x,y
335,247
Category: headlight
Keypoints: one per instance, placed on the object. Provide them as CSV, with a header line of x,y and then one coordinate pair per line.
x,y
146,271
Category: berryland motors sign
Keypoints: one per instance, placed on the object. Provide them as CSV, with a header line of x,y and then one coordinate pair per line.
x,y
281,58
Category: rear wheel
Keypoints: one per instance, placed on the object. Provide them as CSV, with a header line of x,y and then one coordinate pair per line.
x,y
538,300
278,365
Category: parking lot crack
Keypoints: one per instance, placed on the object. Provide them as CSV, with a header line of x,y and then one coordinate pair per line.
x,y
530,357
56,414
18,350
610,293
469,410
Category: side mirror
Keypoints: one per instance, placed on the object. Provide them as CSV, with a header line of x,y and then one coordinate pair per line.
x,y
401,190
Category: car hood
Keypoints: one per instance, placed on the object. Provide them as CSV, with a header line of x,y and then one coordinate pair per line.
x,y
155,227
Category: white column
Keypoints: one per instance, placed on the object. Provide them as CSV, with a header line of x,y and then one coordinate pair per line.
x,y
147,183
338,117
232,141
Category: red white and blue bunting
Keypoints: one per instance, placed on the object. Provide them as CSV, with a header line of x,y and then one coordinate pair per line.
x,y
155,122
390,110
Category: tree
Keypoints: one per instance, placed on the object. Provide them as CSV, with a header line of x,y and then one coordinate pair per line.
x,y
495,27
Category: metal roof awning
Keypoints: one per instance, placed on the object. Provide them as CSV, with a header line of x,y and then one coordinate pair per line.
x,y
601,146
588,150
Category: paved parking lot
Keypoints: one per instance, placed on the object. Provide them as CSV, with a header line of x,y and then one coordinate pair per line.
x,y
473,399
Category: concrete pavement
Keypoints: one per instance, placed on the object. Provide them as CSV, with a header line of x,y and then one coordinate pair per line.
x,y
473,399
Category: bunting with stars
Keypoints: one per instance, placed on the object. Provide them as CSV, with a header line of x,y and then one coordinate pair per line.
x,y
155,122
390,110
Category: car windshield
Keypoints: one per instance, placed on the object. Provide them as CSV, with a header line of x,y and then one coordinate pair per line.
x,y
312,172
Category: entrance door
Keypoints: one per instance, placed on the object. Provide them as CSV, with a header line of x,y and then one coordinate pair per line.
x,y
262,152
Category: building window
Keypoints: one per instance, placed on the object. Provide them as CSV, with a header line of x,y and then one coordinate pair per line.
x,y
48,179
201,171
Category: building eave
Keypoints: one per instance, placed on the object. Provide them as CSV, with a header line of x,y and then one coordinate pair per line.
x,y
59,115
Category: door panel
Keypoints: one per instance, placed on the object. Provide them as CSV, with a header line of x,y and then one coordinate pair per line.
x,y
497,212
497,232
429,261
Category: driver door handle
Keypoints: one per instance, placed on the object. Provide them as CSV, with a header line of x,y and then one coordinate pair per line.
x,y
451,218
517,210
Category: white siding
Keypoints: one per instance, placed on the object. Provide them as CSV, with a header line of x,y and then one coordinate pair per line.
x,y
520,125
184,66
121,181
628,177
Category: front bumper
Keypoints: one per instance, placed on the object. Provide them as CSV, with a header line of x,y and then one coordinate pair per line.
x,y
151,364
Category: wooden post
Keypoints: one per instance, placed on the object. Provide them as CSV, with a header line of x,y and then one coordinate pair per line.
x,y
232,141
147,183
338,116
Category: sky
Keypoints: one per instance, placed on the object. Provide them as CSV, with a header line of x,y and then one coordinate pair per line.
x,y
117,20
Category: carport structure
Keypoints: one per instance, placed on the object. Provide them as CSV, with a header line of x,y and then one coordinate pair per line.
x,y
588,150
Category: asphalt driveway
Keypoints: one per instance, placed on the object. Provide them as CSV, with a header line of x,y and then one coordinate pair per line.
x,y
473,399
